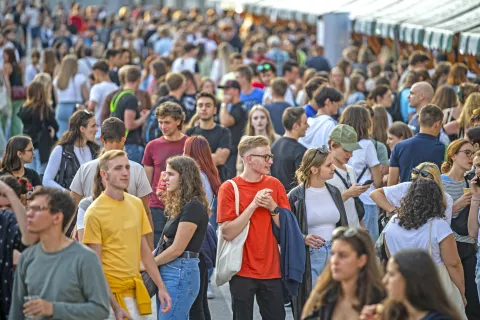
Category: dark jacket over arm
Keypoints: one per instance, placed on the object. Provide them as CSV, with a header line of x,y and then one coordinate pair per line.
x,y
297,204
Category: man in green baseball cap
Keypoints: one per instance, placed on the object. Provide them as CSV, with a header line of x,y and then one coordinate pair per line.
x,y
345,136
342,141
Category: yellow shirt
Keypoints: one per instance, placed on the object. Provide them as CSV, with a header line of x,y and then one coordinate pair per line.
x,y
118,226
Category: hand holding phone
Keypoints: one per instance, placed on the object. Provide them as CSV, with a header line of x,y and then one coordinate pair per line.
x,y
367,182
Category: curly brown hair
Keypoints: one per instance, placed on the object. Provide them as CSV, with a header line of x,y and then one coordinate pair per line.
x,y
422,202
190,186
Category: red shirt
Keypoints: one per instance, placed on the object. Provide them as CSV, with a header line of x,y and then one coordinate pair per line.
x,y
261,257
156,154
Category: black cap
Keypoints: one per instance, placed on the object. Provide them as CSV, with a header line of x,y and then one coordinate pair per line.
x,y
230,84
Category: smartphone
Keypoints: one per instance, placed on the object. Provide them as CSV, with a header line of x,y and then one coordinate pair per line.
x,y
478,181
367,182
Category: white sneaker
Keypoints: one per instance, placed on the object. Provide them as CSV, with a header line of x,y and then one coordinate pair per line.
x,y
210,294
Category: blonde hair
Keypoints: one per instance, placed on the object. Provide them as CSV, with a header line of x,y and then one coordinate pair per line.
x,y
107,157
472,103
68,70
250,130
251,142
311,158
452,150
46,81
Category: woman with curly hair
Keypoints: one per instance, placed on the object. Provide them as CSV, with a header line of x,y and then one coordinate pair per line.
x,y
186,206
350,281
420,224
458,162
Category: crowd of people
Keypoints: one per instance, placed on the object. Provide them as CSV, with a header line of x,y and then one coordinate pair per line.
x,y
150,153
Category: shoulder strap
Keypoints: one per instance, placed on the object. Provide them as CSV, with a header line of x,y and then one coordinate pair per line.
x,y
362,173
430,238
116,98
341,178
237,197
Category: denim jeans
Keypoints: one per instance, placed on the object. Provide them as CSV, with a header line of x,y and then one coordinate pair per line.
x,y
477,272
135,152
36,165
63,113
318,260
182,279
159,220
371,220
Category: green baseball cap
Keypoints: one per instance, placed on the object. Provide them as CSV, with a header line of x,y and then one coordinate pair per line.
x,y
345,136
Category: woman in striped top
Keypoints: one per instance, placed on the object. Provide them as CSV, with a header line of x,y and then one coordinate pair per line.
x,y
459,160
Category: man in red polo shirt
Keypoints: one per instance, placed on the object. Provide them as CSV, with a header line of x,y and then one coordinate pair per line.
x,y
261,196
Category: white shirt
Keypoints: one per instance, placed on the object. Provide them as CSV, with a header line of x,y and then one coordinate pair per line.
x,y
181,64
352,215
138,185
33,16
361,158
85,65
83,155
30,73
98,94
317,134
322,213
73,92
396,193
398,238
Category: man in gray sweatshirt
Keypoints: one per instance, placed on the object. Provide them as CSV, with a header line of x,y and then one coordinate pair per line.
x,y
57,278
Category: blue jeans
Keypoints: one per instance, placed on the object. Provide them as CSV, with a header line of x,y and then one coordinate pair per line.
x,y
63,113
135,152
371,220
36,165
477,272
182,279
318,260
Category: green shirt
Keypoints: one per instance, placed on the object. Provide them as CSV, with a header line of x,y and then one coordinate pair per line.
x,y
72,279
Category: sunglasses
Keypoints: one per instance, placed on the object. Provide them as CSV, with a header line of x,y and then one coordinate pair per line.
x,y
421,172
266,157
345,232
264,67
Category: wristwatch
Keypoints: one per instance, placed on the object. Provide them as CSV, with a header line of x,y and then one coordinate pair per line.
x,y
275,211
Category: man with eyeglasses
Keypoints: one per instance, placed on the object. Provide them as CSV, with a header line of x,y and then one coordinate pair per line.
x,y
261,197
58,277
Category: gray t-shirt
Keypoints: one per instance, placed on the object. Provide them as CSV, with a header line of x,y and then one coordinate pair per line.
x,y
72,279
138,186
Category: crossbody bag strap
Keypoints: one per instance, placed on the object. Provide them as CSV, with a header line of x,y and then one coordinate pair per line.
x,y
237,197
362,173
341,178
430,238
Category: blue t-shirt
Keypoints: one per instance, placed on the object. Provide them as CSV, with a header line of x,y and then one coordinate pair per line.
x,y
408,154
309,111
414,125
249,100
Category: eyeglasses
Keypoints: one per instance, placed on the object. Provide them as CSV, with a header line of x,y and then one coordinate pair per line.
x,y
345,232
422,172
37,208
264,67
266,157
468,153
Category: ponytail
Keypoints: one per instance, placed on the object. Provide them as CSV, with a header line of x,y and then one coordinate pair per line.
x,y
97,184
447,165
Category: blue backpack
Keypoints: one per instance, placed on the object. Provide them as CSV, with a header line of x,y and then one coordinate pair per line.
x,y
151,130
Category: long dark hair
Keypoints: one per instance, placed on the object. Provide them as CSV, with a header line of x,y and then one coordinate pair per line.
x,y
12,59
370,289
198,148
422,202
11,161
73,134
37,100
423,288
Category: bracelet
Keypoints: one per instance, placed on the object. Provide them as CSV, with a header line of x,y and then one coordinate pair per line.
x,y
475,199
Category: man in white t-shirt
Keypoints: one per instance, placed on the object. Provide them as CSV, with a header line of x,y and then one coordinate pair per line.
x,y
187,61
102,88
328,101
113,138
342,142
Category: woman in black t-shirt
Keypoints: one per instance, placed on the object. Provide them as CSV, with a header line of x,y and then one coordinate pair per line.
x,y
186,206
19,151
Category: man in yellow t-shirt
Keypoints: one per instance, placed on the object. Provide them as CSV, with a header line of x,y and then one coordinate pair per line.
x,y
115,228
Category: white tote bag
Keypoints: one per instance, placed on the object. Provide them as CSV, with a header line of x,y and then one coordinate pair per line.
x,y
230,253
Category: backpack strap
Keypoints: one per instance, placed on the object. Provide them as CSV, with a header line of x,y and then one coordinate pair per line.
x,y
116,98
361,174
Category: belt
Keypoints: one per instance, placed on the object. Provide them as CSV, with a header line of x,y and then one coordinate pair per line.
x,y
189,254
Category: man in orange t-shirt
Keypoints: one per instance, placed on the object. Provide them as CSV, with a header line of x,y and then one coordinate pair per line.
x,y
261,197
